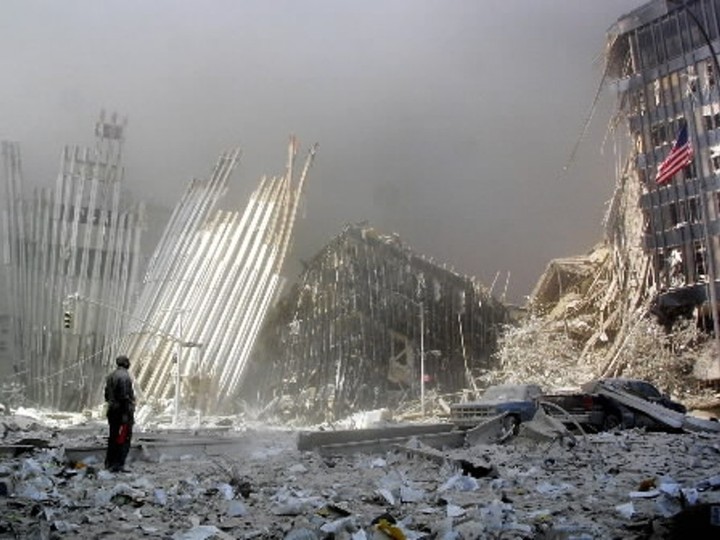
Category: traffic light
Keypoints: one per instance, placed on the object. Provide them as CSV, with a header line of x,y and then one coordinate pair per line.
x,y
67,319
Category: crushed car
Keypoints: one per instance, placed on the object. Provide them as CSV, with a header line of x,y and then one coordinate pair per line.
x,y
598,406
636,387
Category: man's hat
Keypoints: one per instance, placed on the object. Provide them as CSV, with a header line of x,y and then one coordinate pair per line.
x,y
123,361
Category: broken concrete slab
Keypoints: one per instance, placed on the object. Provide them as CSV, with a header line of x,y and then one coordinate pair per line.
x,y
544,427
310,440
465,466
663,415
161,448
450,439
489,432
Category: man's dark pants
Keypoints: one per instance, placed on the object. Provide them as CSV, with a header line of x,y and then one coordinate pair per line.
x,y
118,444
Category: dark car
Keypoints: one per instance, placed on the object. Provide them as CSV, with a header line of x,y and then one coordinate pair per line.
x,y
518,400
638,388
620,415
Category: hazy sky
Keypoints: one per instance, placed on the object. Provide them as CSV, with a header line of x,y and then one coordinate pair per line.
x,y
446,121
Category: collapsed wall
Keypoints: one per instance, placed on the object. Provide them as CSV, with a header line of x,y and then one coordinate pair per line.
x,y
370,324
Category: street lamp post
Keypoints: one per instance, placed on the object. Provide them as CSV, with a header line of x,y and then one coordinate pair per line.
x,y
176,414
422,359
178,339
421,313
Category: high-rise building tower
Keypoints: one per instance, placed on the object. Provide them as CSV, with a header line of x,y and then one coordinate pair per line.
x,y
662,59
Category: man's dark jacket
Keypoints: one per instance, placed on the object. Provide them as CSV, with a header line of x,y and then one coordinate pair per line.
x,y
120,397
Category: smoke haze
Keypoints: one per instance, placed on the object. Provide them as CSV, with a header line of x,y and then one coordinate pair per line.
x,y
445,121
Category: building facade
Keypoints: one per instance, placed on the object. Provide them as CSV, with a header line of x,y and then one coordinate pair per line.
x,y
71,263
367,321
660,58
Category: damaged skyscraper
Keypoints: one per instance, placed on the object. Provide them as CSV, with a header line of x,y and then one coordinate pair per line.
x,y
81,239
662,59
372,323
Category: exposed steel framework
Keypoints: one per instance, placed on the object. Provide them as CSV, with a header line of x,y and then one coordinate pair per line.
x,y
80,239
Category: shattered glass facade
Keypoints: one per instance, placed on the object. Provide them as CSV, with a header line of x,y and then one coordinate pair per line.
x,y
665,75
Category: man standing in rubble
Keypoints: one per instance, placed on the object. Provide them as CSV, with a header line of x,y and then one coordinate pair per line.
x,y
120,399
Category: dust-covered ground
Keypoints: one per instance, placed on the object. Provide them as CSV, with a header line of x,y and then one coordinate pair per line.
x,y
628,484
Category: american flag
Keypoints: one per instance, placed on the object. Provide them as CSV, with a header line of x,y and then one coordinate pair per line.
x,y
680,156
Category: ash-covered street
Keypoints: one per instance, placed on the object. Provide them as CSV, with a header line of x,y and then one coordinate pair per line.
x,y
628,484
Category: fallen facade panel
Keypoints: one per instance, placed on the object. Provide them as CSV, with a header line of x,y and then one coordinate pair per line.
x,y
369,324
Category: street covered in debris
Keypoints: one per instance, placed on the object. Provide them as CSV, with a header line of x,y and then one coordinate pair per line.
x,y
622,484
378,393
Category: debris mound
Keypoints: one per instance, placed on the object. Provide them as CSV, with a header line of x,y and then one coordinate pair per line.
x,y
591,316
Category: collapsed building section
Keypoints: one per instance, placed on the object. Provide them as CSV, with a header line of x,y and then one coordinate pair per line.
x,y
209,285
662,59
597,315
80,239
371,323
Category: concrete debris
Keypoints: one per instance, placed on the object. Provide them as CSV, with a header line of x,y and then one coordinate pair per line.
x,y
491,431
613,485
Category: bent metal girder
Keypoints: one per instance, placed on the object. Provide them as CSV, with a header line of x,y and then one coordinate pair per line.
x,y
210,283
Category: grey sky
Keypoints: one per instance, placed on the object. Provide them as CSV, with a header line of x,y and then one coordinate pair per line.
x,y
446,121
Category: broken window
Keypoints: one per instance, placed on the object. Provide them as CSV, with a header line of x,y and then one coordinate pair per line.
x,y
646,220
711,121
693,207
699,257
637,100
690,171
672,214
658,134
691,81
709,74
715,158
676,268
639,143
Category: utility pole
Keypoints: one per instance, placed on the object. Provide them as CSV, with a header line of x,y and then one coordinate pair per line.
x,y
179,359
176,414
421,315
422,359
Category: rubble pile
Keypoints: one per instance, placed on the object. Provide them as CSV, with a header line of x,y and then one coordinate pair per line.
x,y
612,485
591,317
